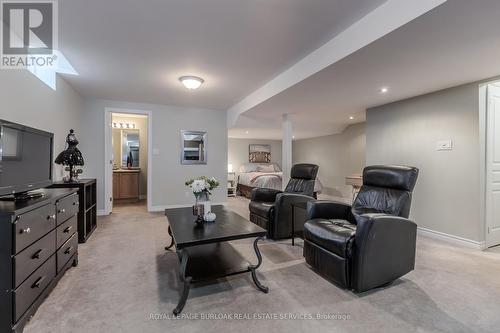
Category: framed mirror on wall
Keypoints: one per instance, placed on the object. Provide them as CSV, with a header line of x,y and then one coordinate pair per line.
x,y
193,147
130,148
126,148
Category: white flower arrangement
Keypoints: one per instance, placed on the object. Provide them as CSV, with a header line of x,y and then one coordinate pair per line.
x,y
202,185
198,186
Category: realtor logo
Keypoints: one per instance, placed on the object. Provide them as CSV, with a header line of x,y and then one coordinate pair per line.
x,y
29,34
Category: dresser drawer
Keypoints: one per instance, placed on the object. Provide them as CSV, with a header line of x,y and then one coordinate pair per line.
x,y
67,207
31,226
66,251
32,257
66,230
30,289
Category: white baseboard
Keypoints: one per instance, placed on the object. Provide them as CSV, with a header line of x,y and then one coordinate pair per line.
x,y
452,238
102,212
162,208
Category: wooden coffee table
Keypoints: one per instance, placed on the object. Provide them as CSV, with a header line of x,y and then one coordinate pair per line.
x,y
204,252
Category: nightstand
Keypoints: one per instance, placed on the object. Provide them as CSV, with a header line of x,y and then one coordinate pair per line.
x,y
231,184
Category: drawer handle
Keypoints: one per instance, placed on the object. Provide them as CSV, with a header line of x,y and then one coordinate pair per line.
x,y
38,282
53,217
62,210
68,250
37,254
26,231
68,229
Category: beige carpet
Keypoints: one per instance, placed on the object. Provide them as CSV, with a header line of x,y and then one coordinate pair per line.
x,y
126,282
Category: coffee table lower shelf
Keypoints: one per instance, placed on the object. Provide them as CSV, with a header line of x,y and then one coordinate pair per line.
x,y
213,261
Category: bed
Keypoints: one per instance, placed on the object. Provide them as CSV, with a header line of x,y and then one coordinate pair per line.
x,y
263,175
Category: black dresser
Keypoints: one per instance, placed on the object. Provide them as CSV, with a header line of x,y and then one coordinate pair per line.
x,y
87,215
38,243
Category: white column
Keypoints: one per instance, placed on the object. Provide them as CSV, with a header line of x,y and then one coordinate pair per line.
x,y
286,148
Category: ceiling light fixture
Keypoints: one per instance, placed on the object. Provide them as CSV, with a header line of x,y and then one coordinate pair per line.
x,y
351,117
384,90
246,132
191,82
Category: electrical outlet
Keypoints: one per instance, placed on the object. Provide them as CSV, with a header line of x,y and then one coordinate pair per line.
x,y
444,145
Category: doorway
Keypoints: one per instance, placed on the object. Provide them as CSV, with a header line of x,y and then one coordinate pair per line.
x,y
492,164
127,169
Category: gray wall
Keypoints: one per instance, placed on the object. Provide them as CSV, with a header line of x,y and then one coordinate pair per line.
x,y
26,100
238,151
446,197
338,156
167,173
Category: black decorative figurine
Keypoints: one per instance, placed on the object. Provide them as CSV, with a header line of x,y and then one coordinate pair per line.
x,y
71,156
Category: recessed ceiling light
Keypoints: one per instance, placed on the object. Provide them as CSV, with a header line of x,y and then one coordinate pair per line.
x,y
246,132
384,90
191,82
293,136
351,117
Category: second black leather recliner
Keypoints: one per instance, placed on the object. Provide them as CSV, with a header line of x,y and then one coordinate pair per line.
x,y
371,243
272,209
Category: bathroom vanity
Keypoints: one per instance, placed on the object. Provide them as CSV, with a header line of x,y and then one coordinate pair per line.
x,y
126,185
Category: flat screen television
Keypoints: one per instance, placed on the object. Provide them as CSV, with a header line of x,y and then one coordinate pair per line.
x,y
25,159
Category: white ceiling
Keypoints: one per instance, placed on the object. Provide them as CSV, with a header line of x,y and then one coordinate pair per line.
x,y
456,43
136,50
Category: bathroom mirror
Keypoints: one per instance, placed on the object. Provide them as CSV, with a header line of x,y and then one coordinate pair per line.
x,y
130,145
193,147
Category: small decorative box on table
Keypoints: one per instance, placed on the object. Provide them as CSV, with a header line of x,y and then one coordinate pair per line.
x,y
87,199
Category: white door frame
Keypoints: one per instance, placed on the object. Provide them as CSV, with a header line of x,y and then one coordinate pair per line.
x,y
483,101
108,169
483,155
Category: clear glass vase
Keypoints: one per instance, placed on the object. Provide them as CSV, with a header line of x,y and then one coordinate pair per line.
x,y
201,200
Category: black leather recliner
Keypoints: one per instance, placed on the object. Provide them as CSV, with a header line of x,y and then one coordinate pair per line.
x,y
272,209
371,243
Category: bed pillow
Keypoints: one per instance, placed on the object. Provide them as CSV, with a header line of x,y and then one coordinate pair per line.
x,y
277,167
266,168
249,167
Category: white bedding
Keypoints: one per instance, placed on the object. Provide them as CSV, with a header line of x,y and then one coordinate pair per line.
x,y
261,179
268,180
